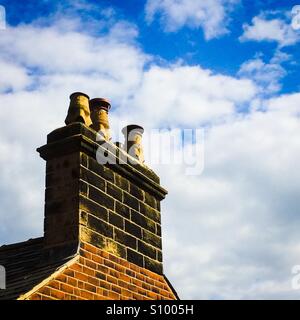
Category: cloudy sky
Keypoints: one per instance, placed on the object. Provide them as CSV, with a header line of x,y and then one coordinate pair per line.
x,y
230,67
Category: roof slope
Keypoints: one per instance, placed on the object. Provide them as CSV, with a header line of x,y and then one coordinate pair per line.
x,y
25,267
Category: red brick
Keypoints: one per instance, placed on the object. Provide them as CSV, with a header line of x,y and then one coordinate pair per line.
x,y
66,288
116,289
112,280
124,263
123,284
90,287
114,273
137,282
99,297
140,277
46,298
93,281
127,293
105,293
62,278
150,281
82,260
36,296
54,284
87,295
124,277
81,284
163,293
77,292
72,281
152,295
100,291
97,259
91,264
69,273
45,291
113,295
100,275
109,264
134,267
102,268
76,267
120,268
81,276
89,271
146,286
132,288
104,254
105,285
130,273
89,247
85,254
137,296
114,258
57,294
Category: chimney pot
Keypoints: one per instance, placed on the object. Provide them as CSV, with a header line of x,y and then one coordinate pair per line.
x,y
133,141
79,110
99,114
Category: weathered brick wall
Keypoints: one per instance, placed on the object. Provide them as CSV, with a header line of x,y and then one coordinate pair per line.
x,y
120,217
63,189
99,275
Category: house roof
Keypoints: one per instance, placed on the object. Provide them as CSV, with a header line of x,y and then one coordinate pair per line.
x,y
25,267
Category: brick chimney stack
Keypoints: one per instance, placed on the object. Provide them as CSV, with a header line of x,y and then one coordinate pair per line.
x,y
107,215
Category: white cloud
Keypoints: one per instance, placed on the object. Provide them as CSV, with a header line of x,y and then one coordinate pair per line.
x,y
270,29
187,95
62,51
234,229
13,77
210,15
266,75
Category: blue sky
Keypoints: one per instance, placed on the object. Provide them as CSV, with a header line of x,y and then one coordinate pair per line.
x,y
229,65
186,43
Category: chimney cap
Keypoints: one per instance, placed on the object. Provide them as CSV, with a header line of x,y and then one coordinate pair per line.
x,y
131,127
78,93
100,103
